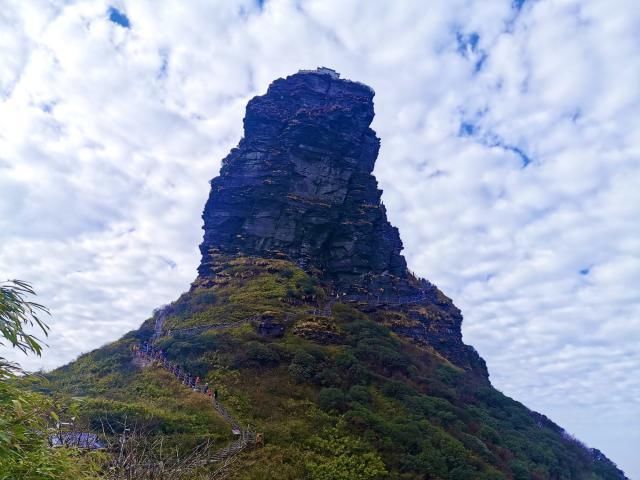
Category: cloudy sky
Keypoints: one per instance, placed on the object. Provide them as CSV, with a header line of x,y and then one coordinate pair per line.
x,y
510,161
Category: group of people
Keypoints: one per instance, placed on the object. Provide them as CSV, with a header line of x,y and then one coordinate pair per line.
x,y
147,350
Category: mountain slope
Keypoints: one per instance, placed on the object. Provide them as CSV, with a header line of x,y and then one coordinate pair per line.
x,y
308,324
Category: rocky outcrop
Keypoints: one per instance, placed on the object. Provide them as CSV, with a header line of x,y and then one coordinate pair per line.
x,y
299,186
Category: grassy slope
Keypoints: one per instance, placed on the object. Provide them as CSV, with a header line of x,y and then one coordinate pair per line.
x,y
369,405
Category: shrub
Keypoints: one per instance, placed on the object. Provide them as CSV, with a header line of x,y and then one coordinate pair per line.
x,y
337,456
448,375
307,285
489,434
397,390
328,377
180,349
352,369
381,355
360,394
345,359
303,367
288,273
256,354
331,399
520,470
358,374
204,297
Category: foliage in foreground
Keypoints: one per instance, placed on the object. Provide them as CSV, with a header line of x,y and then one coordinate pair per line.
x,y
24,449
24,415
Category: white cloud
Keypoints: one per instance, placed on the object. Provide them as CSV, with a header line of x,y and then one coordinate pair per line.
x,y
108,136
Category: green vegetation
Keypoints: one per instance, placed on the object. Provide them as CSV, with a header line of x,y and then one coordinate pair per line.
x,y
16,313
248,286
360,403
24,450
338,455
110,387
25,415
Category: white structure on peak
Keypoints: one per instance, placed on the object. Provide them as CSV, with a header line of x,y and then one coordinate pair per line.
x,y
333,74
323,70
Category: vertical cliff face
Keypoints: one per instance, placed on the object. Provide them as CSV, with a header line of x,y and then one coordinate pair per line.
x,y
299,185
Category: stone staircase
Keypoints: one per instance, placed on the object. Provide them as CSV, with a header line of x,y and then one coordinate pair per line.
x,y
235,427
146,354
235,447
388,300
201,328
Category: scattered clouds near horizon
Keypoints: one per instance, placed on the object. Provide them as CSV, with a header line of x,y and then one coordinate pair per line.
x,y
510,161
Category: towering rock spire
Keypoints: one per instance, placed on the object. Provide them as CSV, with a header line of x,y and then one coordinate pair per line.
x,y
299,184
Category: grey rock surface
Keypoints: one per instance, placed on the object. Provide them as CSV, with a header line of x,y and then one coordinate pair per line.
x,y
299,186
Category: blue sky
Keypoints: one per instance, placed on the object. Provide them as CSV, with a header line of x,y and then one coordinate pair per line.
x,y
510,161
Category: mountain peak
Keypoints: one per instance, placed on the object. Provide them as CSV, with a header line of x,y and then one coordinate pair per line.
x,y
299,184
299,187
307,322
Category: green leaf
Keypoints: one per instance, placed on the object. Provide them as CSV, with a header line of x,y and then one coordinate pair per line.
x,y
17,405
